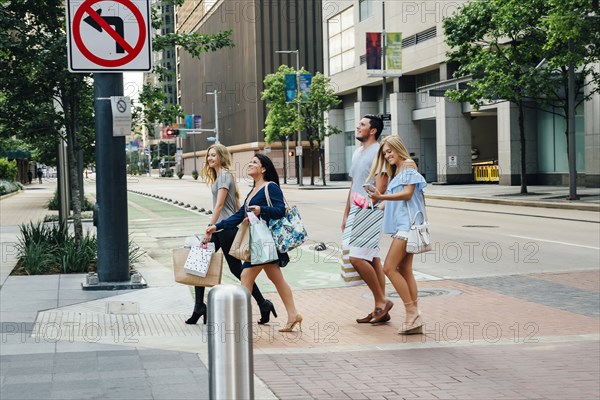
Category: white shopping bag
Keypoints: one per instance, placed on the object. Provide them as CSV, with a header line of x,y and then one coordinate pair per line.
x,y
198,260
262,245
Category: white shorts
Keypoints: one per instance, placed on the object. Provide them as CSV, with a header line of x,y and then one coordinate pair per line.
x,y
402,235
363,253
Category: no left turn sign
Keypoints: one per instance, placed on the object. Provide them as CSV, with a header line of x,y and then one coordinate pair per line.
x,y
109,36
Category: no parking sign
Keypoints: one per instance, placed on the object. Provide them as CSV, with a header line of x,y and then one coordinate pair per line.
x,y
109,36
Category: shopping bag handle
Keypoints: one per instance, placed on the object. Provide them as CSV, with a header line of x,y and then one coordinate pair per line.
x,y
287,206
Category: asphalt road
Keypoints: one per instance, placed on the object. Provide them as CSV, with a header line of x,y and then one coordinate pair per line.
x,y
471,239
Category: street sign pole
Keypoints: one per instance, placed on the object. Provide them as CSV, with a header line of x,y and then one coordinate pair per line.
x,y
111,184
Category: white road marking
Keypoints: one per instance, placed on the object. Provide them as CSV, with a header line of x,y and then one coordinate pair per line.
x,y
554,241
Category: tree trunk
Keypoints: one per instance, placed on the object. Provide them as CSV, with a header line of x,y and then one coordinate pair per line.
x,y
523,170
285,158
72,149
312,163
322,161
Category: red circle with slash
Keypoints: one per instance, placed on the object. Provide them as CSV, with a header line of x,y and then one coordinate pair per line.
x,y
132,52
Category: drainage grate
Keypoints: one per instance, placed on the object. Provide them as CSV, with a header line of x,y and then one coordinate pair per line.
x,y
431,292
480,226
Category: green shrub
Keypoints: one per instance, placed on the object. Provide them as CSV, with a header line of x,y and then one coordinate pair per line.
x,y
53,203
51,234
180,174
195,175
78,258
135,253
9,187
8,169
36,258
54,217
50,249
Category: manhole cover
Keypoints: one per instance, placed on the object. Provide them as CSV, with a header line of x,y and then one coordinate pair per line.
x,y
423,293
122,307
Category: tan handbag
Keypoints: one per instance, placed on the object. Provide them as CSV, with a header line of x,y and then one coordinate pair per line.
x,y
213,276
240,248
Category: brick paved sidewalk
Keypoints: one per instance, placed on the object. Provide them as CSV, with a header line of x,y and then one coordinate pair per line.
x,y
512,337
30,205
484,339
537,371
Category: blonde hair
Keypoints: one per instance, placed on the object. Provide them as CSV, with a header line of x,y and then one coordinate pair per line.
x,y
380,164
225,160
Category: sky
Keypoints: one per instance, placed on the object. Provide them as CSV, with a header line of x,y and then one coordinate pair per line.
x,y
132,83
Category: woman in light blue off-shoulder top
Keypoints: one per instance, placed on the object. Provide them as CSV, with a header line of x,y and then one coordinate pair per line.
x,y
404,191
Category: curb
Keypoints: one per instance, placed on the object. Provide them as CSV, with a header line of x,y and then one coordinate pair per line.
x,y
524,203
7,195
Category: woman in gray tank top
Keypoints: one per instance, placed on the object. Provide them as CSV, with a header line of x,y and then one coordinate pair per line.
x,y
225,203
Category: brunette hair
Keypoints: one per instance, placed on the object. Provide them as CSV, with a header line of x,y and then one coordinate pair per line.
x,y
270,174
376,123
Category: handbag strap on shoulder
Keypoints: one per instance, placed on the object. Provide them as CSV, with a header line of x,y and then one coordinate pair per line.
x,y
287,206
413,219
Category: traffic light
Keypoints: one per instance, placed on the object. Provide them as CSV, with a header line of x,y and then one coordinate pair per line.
x,y
172,131
291,154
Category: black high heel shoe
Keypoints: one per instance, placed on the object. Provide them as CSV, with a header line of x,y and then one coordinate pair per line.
x,y
266,308
196,316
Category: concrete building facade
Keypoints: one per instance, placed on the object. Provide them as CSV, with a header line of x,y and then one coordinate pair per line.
x,y
259,29
447,138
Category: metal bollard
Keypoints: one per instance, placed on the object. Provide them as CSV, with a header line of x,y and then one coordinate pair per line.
x,y
230,357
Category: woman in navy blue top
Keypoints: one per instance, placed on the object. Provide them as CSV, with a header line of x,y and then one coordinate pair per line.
x,y
262,171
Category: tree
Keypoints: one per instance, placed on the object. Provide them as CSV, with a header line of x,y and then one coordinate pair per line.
x,y
572,50
282,117
283,121
575,22
152,108
498,43
321,99
40,100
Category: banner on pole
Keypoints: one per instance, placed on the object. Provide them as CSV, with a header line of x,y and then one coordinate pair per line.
x,y
373,50
290,87
393,51
197,122
189,121
305,81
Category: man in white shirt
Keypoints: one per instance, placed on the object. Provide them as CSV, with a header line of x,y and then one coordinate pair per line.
x,y
366,261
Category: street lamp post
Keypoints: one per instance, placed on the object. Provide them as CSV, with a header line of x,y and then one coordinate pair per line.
x,y
194,139
216,130
298,147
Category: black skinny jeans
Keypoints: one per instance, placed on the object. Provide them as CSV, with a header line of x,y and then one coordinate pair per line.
x,y
224,240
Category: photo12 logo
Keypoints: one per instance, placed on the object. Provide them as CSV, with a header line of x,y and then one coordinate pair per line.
x,y
90,332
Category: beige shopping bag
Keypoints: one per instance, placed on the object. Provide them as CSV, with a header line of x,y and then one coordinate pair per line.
x,y
213,276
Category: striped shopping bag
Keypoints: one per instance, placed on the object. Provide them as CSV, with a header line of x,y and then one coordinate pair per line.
x,y
366,228
347,271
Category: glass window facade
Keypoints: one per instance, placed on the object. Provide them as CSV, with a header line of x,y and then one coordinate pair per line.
x,y
349,135
341,41
366,9
552,141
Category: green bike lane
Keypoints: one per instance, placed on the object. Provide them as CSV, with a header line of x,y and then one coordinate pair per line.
x,y
158,227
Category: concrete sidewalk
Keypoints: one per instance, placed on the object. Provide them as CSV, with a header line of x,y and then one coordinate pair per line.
x,y
516,337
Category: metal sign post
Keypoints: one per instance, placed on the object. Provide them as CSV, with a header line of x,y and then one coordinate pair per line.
x,y
108,37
